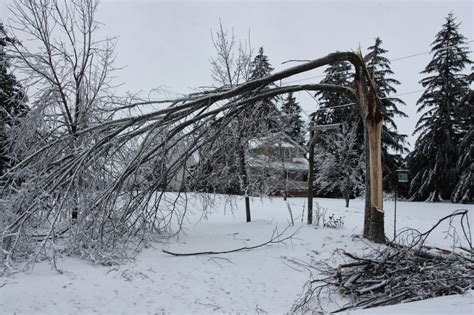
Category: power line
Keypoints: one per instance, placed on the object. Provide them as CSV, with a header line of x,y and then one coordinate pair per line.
x,y
425,52
383,98
400,94
410,56
391,60
310,78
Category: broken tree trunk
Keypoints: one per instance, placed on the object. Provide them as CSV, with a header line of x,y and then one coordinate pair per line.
x,y
370,109
376,228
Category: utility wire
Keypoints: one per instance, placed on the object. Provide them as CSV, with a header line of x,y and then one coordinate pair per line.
x,y
391,60
383,98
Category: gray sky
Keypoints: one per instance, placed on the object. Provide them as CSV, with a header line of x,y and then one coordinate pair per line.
x,y
168,43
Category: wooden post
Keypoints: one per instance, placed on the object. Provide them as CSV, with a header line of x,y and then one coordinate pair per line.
x,y
248,217
244,177
311,176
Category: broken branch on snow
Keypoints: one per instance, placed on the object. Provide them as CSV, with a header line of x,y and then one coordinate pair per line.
x,y
277,237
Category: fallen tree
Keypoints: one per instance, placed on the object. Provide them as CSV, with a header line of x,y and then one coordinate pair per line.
x,y
86,181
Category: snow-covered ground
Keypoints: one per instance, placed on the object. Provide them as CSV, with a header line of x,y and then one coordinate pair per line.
x,y
256,281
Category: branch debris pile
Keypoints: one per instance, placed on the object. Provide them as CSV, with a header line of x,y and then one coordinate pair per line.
x,y
397,273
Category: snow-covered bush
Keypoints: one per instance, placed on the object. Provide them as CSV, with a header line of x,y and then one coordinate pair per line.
x,y
333,222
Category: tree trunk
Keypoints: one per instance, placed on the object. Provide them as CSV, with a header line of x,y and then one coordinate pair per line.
x,y
370,108
347,201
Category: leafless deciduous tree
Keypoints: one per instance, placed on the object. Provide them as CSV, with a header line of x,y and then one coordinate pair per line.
x,y
69,72
224,163
224,160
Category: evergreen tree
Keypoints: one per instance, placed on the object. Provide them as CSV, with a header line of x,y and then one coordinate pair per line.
x,y
338,74
393,143
260,66
333,107
292,122
465,164
341,166
465,169
12,100
264,112
337,108
433,162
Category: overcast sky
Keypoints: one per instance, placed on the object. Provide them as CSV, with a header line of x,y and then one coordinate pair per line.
x,y
168,43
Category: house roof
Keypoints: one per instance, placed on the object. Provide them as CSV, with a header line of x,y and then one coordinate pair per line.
x,y
274,140
262,161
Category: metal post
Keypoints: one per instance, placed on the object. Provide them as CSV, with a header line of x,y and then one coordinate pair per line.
x,y
313,135
402,177
395,214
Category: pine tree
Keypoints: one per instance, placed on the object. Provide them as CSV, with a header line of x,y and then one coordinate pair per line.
x,y
393,143
12,100
292,122
433,162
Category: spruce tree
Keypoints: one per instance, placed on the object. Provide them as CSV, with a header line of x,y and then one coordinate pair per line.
x,y
261,116
465,164
339,73
465,169
12,100
337,108
393,143
292,122
433,162
261,66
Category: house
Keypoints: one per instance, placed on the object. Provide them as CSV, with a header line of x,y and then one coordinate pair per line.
x,y
278,165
